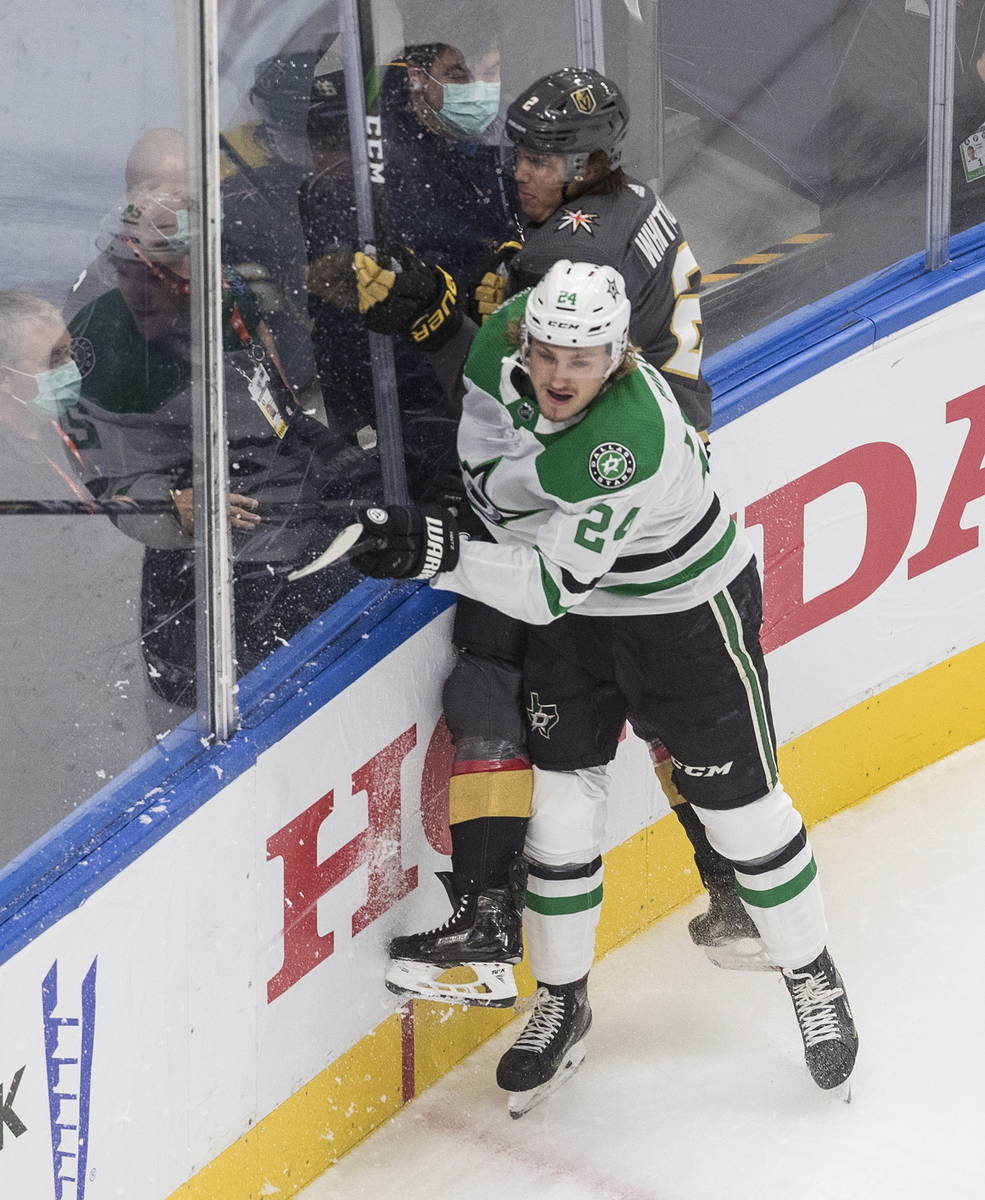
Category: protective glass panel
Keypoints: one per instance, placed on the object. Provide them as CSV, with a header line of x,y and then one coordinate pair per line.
x,y
303,389
94,347
299,401
793,148
968,164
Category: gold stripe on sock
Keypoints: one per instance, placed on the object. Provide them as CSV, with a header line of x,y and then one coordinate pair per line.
x,y
490,794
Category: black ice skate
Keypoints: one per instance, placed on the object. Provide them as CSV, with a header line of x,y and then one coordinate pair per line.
x,y
483,933
825,1019
728,935
551,1047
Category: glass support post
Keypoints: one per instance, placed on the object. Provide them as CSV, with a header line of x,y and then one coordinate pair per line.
x,y
659,124
590,44
940,121
215,637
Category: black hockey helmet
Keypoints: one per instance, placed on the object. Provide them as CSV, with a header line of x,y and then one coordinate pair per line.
x,y
574,111
299,91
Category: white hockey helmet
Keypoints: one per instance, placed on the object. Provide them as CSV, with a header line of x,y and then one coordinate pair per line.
x,y
579,304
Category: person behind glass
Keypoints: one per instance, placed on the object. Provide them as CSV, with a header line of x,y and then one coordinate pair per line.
x,y
39,381
568,128
70,688
287,198
448,196
449,199
156,163
133,431
603,533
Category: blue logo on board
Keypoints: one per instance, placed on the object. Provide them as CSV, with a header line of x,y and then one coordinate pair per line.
x,y
69,1034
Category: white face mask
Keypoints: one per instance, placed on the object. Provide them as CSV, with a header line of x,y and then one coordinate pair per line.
x,y
58,389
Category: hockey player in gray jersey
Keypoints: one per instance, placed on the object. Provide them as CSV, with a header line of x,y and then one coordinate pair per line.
x,y
568,128
602,530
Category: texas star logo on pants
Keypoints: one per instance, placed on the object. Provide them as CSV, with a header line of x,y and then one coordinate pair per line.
x,y
543,717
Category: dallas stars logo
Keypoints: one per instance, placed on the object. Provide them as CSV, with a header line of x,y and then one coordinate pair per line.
x,y
543,717
611,465
83,355
577,220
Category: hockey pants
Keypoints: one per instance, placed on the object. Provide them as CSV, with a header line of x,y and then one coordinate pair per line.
x,y
491,786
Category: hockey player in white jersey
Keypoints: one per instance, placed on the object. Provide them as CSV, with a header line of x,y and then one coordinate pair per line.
x,y
568,128
600,528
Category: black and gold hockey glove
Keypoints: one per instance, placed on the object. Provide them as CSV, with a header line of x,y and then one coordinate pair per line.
x,y
407,542
400,293
490,291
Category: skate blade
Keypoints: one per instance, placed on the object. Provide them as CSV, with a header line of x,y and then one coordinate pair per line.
x,y
844,1092
520,1103
493,986
742,954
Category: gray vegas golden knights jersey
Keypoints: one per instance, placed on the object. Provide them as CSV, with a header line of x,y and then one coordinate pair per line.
x,y
612,512
634,231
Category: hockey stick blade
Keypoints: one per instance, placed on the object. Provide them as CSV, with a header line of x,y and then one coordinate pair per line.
x,y
337,550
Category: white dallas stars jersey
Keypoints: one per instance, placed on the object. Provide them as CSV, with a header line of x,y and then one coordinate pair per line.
x,y
612,512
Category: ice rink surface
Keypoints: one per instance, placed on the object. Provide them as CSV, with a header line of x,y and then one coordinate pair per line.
x,y
694,1086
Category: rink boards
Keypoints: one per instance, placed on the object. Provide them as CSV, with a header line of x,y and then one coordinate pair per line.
x,y
210,1022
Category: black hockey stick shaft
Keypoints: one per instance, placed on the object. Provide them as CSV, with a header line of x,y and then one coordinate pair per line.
x,y
127,508
366,141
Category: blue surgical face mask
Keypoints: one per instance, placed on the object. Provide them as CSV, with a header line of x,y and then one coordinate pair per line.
x,y
469,107
58,389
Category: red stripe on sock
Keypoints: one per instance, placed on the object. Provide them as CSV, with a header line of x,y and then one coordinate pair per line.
x,y
407,1080
477,765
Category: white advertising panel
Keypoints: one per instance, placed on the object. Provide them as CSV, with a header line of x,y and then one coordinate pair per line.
x,y
863,491
215,976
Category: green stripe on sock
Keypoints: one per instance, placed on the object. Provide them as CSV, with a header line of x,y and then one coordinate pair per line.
x,y
559,906
783,892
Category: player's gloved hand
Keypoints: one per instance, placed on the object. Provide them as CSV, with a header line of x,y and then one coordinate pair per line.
x,y
329,278
408,542
490,291
400,293
447,490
